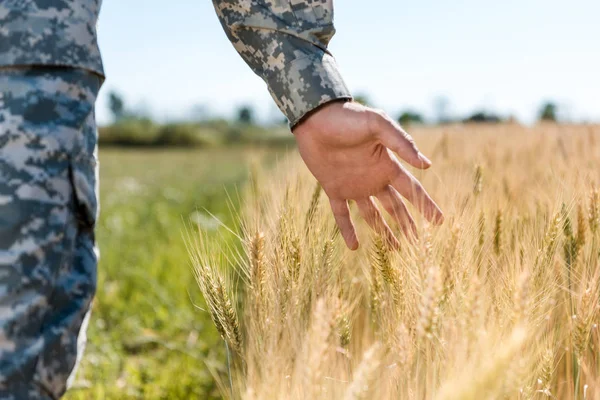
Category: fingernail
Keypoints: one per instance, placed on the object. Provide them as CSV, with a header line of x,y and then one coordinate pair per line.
x,y
424,159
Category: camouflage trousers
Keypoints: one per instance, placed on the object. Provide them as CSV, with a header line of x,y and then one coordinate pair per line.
x,y
48,209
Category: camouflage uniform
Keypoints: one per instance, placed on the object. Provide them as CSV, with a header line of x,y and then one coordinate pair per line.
x,y
285,43
50,74
47,212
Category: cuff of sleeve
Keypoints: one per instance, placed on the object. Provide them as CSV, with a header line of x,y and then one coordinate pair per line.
x,y
305,84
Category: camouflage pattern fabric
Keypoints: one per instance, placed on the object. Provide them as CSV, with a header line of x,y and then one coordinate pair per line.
x,y
48,208
285,43
50,32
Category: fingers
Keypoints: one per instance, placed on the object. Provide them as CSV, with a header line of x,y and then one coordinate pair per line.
x,y
341,213
392,136
393,204
370,213
411,189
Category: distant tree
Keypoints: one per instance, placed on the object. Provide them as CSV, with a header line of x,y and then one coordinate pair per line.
x,y
548,112
245,115
363,99
441,105
482,116
410,117
199,113
116,104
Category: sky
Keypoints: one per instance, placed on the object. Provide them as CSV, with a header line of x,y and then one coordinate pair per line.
x,y
173,60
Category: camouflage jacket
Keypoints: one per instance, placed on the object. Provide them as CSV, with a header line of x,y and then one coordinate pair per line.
x,y
283,41
50,33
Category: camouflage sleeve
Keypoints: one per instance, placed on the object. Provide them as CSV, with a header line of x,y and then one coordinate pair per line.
x,y
285,43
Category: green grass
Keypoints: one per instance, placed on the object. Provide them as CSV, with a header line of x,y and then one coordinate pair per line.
x,y
147,337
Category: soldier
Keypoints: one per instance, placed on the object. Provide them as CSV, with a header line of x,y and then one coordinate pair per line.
x,y
50,74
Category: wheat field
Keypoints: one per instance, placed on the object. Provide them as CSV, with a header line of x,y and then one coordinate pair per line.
x,y
500,302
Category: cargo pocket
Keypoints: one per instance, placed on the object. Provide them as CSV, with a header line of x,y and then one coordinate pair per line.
x,y
74,286
84,178
84,173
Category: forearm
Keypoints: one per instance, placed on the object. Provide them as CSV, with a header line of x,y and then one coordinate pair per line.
x,y
286,45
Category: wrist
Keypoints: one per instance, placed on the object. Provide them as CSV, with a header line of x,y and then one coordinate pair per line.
x,y
321,107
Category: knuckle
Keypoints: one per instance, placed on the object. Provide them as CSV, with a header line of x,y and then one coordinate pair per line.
x,y
409,139
373,122
376,120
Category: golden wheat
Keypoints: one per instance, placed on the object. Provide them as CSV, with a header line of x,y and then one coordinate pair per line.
x,y
501,302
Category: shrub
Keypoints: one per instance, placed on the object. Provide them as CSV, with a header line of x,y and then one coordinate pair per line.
x,y
134,132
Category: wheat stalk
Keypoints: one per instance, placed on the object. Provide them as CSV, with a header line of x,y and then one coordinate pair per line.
x,y
364,374
498,231
429,306
594,210
453,321
380,259
478,180
317,345
258,272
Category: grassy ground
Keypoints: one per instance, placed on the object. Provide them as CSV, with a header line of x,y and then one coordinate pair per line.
x,y
146,338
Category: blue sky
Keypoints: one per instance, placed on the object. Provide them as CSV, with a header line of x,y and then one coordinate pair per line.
x,y
172,57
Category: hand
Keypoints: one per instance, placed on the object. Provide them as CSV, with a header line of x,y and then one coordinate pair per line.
x,y
347,147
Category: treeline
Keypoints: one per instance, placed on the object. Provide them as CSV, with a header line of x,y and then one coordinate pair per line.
x,y
548,112
143,132
134,129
